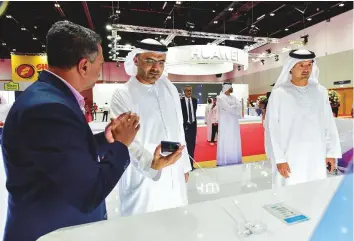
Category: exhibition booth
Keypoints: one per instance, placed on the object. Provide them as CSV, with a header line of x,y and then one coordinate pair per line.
x,y
236,202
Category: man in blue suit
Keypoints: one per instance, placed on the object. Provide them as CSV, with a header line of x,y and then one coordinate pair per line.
x,y
58,172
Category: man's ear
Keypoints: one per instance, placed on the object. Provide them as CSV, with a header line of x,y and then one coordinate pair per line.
x,y
136,60
83,67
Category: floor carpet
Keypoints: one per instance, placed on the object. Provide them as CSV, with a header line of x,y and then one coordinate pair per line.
x,y
252,141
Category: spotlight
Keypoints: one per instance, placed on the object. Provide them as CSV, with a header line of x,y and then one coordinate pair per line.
x,y
43,46
110,45
276,57
3,44
118,11
309,19
178,3
215,22
190,25
272,14
213,11
8,16
34,38
109,37
286,29
109,27
341,5
57,5
231,9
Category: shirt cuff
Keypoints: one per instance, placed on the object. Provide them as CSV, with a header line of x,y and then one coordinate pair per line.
x,y
280,161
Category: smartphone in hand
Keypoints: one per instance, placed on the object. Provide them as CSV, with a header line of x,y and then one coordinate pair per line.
x,y
169,146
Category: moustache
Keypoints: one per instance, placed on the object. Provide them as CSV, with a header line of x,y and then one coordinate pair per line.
x,y
154,73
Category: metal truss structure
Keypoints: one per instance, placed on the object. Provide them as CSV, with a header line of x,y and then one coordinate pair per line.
x,y
172,33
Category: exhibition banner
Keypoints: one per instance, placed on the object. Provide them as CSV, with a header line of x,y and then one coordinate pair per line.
x,y
27,67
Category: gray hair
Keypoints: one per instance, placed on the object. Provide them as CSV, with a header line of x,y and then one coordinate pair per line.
x,y
68,43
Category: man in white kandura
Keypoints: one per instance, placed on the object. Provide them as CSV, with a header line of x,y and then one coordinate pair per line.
x,y
302,131
156,100
229,140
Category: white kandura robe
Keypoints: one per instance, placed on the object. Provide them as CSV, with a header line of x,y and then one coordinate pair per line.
x,y
229,149
207,110
141,188
302,132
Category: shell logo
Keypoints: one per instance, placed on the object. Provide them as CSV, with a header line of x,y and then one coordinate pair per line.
x,y
25,71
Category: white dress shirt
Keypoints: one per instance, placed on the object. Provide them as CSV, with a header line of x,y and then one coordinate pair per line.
x,y
187,104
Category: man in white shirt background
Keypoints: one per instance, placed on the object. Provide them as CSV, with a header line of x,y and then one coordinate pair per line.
x,y
106,110
189,111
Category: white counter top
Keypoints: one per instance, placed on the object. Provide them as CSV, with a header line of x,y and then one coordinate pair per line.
x,y
208,221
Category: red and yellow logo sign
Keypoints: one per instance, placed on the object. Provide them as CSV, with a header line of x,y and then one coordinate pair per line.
x,y
27,67
25,71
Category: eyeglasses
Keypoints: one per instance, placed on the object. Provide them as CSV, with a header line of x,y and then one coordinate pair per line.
x,y
152,62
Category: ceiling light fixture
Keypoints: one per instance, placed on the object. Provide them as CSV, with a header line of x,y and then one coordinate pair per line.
x,y
272,14
261,17
341,5
164,5
109,27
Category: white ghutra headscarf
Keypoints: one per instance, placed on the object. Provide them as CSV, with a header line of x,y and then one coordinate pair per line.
x,y
146,45
296,56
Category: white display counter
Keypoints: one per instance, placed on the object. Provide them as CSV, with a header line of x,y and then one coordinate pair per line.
x,y
214,220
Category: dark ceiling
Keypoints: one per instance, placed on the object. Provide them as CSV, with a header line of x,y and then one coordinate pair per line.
x,y
26,29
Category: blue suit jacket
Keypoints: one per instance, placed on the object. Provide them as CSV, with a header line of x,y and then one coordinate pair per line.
x,y
50,156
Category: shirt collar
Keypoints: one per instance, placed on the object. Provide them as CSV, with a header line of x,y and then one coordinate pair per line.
x,y
79,98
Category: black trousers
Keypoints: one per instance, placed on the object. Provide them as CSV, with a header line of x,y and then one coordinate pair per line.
x,y
105,115
190,131
214,130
